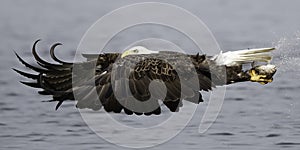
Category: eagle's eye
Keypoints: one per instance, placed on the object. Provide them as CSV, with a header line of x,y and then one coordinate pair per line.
x,y
135,51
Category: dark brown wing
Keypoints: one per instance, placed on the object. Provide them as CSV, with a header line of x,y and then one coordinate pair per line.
x,y
56,79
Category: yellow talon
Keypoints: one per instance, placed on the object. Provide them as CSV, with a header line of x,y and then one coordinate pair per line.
x,y
259,78
256,77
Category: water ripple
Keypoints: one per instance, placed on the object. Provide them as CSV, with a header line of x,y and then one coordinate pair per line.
x,y
287,143
2,124
38,140
12,94
3,82
222,134
273,135
8,109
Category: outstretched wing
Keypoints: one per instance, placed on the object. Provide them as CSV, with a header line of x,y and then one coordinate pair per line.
x,y
56,79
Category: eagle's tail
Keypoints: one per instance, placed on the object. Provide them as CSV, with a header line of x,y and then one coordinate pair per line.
x,y
232,58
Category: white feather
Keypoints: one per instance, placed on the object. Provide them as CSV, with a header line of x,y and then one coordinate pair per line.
x,y
138,50
233,58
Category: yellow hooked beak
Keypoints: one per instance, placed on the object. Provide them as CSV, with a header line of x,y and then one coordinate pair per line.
x,y
126,53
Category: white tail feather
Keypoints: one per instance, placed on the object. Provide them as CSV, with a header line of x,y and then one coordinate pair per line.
x,y
232,58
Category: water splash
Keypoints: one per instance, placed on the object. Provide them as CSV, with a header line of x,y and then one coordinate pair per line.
x,y
287,55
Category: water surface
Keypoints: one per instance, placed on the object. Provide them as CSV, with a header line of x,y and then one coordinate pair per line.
x,y
252,117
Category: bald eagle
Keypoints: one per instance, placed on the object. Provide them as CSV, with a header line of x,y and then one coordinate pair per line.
x,y
122,80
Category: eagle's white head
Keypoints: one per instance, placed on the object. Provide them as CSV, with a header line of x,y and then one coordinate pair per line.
x,y
137,50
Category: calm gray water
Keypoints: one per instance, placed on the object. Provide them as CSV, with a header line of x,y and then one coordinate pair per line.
x,y
252,117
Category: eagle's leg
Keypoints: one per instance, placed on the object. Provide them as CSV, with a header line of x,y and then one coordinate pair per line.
x,y
262,74
260,78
